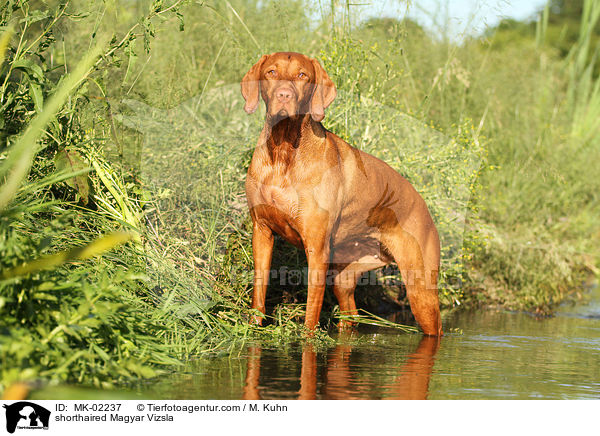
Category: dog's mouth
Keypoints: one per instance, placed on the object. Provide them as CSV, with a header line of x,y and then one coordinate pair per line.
x,y
282,111
280,115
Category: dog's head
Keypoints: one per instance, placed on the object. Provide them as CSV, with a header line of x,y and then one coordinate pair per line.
x,y
291,84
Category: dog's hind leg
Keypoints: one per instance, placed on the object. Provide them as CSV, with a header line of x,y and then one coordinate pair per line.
x,y
344,283
346,277
418,263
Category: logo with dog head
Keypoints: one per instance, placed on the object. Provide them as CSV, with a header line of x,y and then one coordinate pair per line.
x,y
26,415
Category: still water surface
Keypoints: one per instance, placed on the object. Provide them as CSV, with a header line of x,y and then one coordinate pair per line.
x,y
485,355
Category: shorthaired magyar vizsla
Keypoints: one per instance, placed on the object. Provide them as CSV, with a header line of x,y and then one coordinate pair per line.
x,y
348,210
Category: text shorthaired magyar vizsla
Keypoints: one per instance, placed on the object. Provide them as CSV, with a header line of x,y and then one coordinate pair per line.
x,y
348,210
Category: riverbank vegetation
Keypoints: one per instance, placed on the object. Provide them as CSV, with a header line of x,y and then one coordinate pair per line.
x,y
124,234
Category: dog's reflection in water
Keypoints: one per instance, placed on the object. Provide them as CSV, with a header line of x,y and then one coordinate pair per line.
x,y
342,382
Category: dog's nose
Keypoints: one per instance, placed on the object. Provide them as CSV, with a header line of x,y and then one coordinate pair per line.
x,y
284,94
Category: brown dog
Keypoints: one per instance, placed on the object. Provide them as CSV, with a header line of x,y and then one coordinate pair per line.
x,y
348,210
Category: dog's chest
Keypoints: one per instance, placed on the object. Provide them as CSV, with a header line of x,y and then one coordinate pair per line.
x,y
276,203
274,187
278,193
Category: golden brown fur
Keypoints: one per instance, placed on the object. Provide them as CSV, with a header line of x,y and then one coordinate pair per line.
x,y
348,210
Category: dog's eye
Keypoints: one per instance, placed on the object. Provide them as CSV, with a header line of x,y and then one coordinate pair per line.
x,y
271,73
302,76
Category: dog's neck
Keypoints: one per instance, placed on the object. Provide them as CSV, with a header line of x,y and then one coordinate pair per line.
x,y
285,136
285,132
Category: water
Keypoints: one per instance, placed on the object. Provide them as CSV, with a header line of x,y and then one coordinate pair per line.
x,y
484,355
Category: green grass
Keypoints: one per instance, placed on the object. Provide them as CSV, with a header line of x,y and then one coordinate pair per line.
x,y
148,137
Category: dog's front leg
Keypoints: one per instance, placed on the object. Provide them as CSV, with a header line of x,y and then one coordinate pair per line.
x,y
317,254
262,252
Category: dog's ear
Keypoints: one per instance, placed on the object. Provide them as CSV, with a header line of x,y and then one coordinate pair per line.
x,y
251,85
324,92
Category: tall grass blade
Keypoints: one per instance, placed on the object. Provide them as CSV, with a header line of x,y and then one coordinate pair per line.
x,y
368,318
244,25
582,95
88,251
4,41
541,26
